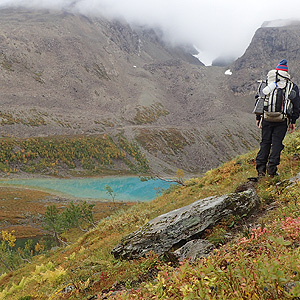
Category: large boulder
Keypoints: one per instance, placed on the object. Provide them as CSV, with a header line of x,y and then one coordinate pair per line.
x,y
169,232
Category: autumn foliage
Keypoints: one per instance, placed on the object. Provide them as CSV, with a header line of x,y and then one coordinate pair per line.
x,y
51,154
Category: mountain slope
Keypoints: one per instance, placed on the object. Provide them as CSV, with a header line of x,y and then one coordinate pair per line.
x,y
268,46
68,74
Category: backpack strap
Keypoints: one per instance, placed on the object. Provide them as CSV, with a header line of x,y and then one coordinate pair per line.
x,y
280,75
290,87
287,102
277,74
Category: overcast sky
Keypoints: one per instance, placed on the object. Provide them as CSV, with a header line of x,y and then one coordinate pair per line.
x,y
215,27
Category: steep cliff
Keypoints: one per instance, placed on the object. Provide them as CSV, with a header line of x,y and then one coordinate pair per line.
x,y
268,46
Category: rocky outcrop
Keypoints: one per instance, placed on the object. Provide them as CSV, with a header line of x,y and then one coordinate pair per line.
x,y
182,227
194,249
269,45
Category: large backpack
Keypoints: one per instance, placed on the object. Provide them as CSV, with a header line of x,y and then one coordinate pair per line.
x,y
275,103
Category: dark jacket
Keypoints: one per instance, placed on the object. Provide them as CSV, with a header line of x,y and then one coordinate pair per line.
x,y
296,105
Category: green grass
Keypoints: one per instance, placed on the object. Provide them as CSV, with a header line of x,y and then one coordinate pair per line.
x,y
262,262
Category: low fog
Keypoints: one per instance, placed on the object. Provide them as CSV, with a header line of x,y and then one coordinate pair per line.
x,y
216,28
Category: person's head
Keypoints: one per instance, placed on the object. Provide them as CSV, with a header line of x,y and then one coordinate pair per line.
x,y
282,66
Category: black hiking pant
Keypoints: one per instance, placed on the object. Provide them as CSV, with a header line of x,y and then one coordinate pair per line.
x,y
268,157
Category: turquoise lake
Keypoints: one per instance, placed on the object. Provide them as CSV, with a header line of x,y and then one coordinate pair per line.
x,y
125,188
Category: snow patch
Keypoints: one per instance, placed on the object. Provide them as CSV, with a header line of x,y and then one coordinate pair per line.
x,y
204,57
228,72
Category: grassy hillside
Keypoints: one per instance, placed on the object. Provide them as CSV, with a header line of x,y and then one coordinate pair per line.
x,y
75,155
259,261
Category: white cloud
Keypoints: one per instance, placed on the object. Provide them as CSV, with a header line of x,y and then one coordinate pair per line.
x,y
216,27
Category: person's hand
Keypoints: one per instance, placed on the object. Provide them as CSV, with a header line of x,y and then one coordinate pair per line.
x,y
292,128
258,123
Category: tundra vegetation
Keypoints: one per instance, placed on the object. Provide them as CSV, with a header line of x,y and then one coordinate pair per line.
x,y
259,261
85,155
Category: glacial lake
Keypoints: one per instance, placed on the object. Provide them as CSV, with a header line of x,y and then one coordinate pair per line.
x,y
125,188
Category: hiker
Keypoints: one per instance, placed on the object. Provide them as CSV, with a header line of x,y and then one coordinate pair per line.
x,y
274,125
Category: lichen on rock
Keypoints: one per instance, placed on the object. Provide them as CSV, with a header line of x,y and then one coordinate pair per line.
x,y
168,232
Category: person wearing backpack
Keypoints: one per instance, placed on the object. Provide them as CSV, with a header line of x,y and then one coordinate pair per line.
x,y
279,112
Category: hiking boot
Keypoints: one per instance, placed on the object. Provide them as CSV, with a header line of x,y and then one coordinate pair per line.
x,y
253,179
273,175
261,174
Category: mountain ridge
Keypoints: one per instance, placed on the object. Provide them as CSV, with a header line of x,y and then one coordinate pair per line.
x,y
71,74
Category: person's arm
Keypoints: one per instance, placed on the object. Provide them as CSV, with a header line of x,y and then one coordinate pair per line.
x,y
296,106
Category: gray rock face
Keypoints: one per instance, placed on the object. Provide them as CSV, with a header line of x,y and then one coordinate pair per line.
x,y
194,249
172,230
268,46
